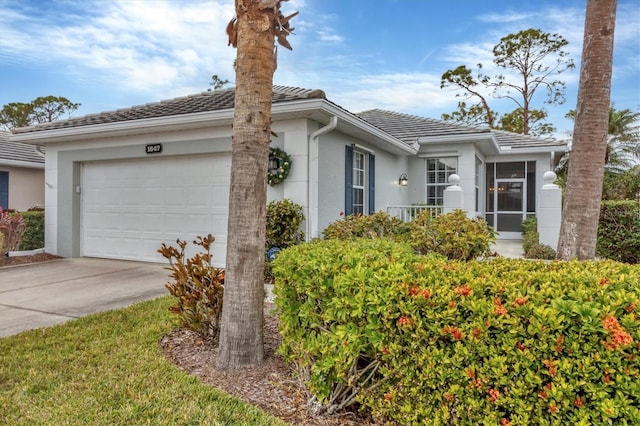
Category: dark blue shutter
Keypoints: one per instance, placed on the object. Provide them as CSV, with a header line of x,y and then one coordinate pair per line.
x,y
348,180
4,190
372,183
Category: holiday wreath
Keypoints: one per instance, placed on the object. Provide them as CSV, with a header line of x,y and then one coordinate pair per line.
x,y
279,166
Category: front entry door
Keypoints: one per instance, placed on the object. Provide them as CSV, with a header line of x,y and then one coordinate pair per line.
x,y
509,198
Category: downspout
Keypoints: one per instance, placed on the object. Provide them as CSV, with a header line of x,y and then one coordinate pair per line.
x,y
312,174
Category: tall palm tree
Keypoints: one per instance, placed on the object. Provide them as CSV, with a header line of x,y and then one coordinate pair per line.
x,y
578,231
623,145
252,31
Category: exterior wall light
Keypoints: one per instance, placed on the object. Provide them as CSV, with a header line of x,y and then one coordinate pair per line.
x,y
404,180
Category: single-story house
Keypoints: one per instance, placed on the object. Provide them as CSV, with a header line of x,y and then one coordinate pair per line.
x,y
21,175
121,183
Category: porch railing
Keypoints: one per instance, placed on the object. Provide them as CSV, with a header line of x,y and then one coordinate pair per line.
x,y
408,213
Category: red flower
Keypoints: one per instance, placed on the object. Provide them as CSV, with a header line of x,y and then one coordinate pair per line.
x,y
542,394
404,320
521,347
604,281
476,332
448,396
493,395
385,351
631,308
619,336
341,213
578,402
414,290
462,290
553,408
505,422
499,309
388,397
520,301
455,332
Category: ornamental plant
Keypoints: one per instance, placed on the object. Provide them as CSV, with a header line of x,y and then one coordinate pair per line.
x,y
12,226
197,286
453,235
619,231
284,218
423,340
377,225
33,237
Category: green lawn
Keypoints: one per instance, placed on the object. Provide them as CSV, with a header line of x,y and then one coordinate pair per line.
x,y
108,369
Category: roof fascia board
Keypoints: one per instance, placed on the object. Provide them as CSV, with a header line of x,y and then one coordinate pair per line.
x,y
17,163
537,150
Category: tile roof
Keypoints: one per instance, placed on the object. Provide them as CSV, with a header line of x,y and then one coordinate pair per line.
x,y
404,127
16,151
207,101
409,128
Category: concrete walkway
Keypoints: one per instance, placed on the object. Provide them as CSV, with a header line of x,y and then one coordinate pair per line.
x,y
48,293
508,248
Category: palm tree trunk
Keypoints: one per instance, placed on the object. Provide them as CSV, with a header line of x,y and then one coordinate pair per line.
x,y
578,232
241,334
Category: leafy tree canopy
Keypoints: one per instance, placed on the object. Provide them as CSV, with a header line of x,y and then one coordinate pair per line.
x,y
531,59
43,109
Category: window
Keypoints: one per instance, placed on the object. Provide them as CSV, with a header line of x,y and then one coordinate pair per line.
x,y
438,172
359,181
4,190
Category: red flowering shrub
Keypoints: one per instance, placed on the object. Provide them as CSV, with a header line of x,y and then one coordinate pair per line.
x,y
495,342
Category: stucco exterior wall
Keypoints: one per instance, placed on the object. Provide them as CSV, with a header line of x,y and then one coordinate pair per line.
x,y
331,185
26,187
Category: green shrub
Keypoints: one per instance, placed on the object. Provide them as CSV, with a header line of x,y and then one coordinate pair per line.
x,y
530,235
453,235
419,340
541,251
33,237
377,225
197,286
1,244
619,231
284,218
321,289
531,242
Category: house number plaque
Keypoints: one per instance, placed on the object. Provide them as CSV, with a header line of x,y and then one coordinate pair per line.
x,y
155,148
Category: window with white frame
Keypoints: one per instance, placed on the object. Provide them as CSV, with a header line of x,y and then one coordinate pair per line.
x,y
359,181
438,172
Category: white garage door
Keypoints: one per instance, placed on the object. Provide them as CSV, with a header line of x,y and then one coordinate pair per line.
x,y
130,207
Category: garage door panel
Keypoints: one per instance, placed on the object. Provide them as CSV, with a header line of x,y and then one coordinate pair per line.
x,y
129,208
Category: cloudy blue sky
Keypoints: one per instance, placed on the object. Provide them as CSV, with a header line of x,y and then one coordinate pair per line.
x,y
390,54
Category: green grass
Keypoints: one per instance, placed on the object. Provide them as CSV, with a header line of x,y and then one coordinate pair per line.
x,y
109,369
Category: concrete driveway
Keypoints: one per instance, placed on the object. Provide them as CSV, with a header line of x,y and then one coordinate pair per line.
x,y
43,294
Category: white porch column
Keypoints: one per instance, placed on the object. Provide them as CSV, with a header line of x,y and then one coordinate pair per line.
x,y
550,212
453,195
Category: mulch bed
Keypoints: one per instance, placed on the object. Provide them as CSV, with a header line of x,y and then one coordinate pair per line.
x,y
22,260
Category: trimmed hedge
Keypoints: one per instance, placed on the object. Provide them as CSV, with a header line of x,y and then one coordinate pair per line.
x,y
422,340
619,231
33,237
